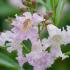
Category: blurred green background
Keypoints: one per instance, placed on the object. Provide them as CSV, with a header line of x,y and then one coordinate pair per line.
x,y
7,11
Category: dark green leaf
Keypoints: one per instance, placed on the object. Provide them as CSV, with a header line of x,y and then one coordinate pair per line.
x,y
67,53
26,46
27,66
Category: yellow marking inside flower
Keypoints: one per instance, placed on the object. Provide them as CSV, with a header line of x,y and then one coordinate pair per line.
x,y
57,38
27,25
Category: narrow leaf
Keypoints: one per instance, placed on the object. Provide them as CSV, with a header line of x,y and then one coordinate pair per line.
x,y
7,61
59,11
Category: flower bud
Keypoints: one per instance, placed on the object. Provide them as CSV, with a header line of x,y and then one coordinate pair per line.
x,y
33,2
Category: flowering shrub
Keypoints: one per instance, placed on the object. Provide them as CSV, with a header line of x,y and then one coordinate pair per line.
x,y
26,39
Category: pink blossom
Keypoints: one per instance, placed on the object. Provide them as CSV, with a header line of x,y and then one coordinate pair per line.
x,y
40,59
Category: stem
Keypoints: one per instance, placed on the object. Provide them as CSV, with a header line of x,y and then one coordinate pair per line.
x,y
21,68
54,12
39,31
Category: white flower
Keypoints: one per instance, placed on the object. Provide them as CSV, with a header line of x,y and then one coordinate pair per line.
x,y
66,35
58,36
56,52
14,45
6,36
55,49
55,34
55,40
46,43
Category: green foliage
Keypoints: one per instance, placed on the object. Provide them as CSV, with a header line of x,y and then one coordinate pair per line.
x,y
6,61
7,11
56,6
59,10
27,66
61,65
26,46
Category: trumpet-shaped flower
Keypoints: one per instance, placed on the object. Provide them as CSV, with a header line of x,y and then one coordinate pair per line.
x,y
55,40
55,34
25,22
66,35
24,26
39,58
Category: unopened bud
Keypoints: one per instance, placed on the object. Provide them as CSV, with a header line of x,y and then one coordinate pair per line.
x,y
47,22
50,13
33,2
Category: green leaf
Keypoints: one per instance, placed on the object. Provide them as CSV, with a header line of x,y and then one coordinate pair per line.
x,y
7,11
61,65
48,5
65,48
41,2
65,20
48,49
27,66
7,61
59,11
26,46
67,53
54,3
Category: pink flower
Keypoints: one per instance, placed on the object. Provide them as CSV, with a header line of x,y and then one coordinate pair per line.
x,y
26,21
20,58
24,26
16,45
40,60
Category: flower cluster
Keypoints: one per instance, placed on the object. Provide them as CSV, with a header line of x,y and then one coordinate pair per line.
x,y
26,27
